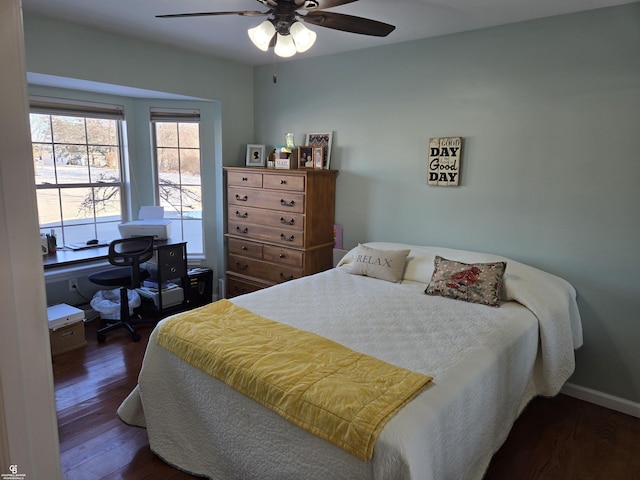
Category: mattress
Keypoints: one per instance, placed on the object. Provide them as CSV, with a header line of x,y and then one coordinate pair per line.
x,y
487,364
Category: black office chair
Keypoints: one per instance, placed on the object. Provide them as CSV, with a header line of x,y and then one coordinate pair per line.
x,y
127,254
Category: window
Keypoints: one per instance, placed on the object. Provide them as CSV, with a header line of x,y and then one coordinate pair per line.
x,y
179,186
77,155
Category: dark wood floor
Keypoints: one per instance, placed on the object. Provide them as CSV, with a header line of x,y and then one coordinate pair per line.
x,y
559,438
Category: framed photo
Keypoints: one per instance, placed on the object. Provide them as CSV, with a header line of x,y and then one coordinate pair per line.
x,y
255,156
321,140
305,157
318,157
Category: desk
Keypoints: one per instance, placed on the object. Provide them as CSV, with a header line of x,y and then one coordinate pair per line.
x,y
169,263
67,257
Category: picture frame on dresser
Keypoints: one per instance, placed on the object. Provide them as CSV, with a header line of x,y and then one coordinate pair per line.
x,y
321,140
255,155
318,157
305,157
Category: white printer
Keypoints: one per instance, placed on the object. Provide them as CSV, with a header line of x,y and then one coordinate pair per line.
x,y
150,221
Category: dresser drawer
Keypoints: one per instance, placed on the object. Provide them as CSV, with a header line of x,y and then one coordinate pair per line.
x,y
283,255
268,234
239,286
262,270
294,183
269,218
248,249
245,179
283,201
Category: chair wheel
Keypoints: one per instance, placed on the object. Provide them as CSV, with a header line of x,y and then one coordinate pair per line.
x,y
102,338
135,337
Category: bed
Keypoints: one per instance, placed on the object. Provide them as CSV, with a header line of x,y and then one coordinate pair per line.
x,y
487,362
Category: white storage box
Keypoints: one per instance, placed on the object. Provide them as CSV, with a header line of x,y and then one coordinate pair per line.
x,y
66,328
62,315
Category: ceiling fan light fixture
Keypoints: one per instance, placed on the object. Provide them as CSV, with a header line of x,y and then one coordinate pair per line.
x,y
262,34
302,37
285,46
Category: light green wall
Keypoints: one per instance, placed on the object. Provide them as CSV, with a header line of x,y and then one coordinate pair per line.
x,y
550,115
71,51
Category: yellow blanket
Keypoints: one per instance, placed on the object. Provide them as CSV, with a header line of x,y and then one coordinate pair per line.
x,y
340,395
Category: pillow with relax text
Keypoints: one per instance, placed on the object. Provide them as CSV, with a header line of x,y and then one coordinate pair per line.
x,y
383,264
471,282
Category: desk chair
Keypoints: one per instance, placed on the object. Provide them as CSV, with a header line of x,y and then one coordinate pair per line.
x,y
126,254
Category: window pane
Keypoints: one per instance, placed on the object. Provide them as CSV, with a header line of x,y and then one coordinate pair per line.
x,y
190,166
79,233
71,163
40,128
108,231
166,134
192,234
192,202
101,131
49,214
170,199
68,129
104,164
106,202
189,135
43,164
169,164
77,205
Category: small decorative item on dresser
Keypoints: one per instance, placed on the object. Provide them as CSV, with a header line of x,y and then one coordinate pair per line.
x,y
321,140
305,157
255,156
318,157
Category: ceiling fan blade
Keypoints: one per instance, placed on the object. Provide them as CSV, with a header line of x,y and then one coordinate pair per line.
x,y
321,4
247,13
348,23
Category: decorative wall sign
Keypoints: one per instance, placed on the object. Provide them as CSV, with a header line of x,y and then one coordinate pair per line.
x,y
443,168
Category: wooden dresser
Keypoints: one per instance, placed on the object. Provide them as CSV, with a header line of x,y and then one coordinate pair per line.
x,y
279,225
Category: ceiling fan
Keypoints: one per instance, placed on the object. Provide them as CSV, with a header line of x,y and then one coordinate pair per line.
x,y
283,31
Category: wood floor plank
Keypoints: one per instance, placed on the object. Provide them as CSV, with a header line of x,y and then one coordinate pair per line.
x,y
559,438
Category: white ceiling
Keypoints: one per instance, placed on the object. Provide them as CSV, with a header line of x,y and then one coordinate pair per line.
x,y
226,36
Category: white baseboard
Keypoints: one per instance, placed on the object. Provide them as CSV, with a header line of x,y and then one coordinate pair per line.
x,y
603,399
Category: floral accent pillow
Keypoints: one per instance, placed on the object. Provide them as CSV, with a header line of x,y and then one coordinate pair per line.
x,y
471,282
382,264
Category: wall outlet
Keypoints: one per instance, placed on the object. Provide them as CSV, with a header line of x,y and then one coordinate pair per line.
x,y
73,284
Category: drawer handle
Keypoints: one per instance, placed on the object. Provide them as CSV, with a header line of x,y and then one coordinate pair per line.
x,y
240,290
242,215
243,248
282,255
241,266
285,222
287,239
241,199
285,278
245,179
242,230
283,182
284,203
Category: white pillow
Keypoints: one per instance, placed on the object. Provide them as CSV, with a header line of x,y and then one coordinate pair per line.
x,y
382,264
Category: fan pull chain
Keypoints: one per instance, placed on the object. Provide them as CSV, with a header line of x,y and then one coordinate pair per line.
x,y
274,77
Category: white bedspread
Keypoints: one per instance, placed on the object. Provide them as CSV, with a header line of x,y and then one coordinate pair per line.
x,y
487,364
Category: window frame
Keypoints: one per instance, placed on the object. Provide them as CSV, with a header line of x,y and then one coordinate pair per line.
x,y
85,110
178,116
